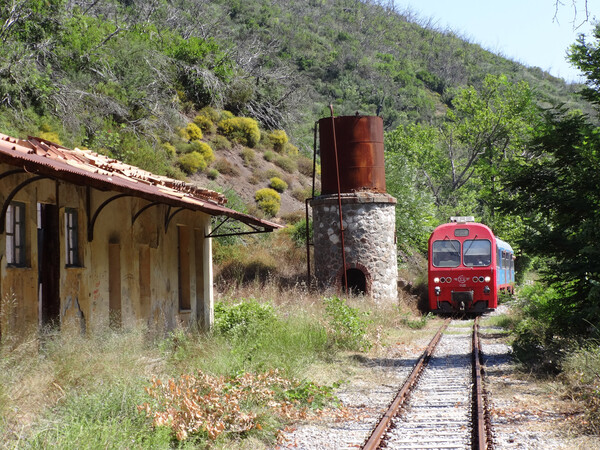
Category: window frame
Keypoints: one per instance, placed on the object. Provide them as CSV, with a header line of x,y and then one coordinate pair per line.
x,y
15,233
72,258
489,254
433,252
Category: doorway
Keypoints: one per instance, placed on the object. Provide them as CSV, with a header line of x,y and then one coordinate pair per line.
x,y
357,281
48,265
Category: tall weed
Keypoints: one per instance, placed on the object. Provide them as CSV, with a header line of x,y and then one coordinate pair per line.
x,y
347,325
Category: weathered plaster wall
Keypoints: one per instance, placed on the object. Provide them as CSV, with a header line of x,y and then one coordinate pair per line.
x,y
369,239
148,262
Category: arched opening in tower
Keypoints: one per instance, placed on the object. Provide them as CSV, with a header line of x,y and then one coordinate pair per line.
x,y
357,281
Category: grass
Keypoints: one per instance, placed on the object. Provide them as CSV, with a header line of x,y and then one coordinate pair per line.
x,y
73,391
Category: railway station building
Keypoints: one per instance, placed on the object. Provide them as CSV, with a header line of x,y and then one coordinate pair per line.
x,y
88,242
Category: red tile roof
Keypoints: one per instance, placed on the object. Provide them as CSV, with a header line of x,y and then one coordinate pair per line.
x,y
87,168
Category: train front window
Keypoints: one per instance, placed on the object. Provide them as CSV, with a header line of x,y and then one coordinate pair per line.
x,y
477,253
446,253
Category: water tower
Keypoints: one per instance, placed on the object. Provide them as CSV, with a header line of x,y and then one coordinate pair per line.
x,y
358,245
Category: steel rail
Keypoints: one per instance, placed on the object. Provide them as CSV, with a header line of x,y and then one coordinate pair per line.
x,y
480,441
377,435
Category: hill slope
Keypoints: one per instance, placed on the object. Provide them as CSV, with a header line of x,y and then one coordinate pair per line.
x,y
122,76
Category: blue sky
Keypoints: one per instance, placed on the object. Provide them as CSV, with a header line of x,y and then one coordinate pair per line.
x,y
522,30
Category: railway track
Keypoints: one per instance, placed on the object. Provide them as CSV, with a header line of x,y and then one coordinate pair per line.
x,y
441,404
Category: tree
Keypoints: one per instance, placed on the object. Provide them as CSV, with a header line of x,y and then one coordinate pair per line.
x,y
554,188
460,161
585,55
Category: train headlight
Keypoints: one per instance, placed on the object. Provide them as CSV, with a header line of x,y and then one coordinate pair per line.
x,y
488,279
486,290
436,280
437,290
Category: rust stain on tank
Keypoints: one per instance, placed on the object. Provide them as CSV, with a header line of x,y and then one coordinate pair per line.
x,y
360,154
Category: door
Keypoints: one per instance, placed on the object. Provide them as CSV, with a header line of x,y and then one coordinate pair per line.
x,y
114,285
48,265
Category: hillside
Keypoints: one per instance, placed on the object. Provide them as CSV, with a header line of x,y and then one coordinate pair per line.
x,y
122,77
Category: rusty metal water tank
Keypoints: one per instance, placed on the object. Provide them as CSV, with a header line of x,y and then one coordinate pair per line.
x,y
359,142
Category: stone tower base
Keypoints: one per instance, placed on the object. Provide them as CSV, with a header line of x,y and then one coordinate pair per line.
x,y
369,221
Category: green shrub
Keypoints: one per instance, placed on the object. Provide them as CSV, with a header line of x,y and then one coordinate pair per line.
x,y
225,167
305,166
249,156
298,232
193,131
212,173
286,163
581,373
278,184
348,326
241,129
268,200
210,113
175,173
270,173
290,149
221,142
204,149
278,139
269,156
169,149
302,194
225,115
242,318
192,162
204,123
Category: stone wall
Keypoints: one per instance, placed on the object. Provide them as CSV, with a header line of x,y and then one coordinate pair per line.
x,y
369,238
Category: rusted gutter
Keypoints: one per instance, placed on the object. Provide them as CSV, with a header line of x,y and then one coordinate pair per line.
x,y
339,194
306,201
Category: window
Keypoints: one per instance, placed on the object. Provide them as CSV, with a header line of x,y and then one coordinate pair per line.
x,y
477,253
446,253
71,237
15,234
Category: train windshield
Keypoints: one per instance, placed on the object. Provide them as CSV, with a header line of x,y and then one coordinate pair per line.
x,y
477,253
446,253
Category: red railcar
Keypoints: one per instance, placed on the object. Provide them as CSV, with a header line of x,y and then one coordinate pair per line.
x,y
468,265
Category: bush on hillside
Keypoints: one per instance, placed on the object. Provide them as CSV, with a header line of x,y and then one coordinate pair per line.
x,y
241,129
278,184
192,162
221,142
225,167
290,149
204,149
210,113
212,173
169,149
193,132
286,163
305,166
268,200
249,156
204,123
278,139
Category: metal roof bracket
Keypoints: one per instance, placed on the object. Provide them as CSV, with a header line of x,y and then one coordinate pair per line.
x,y
256,230
12,194
92,220
169,216
144,208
